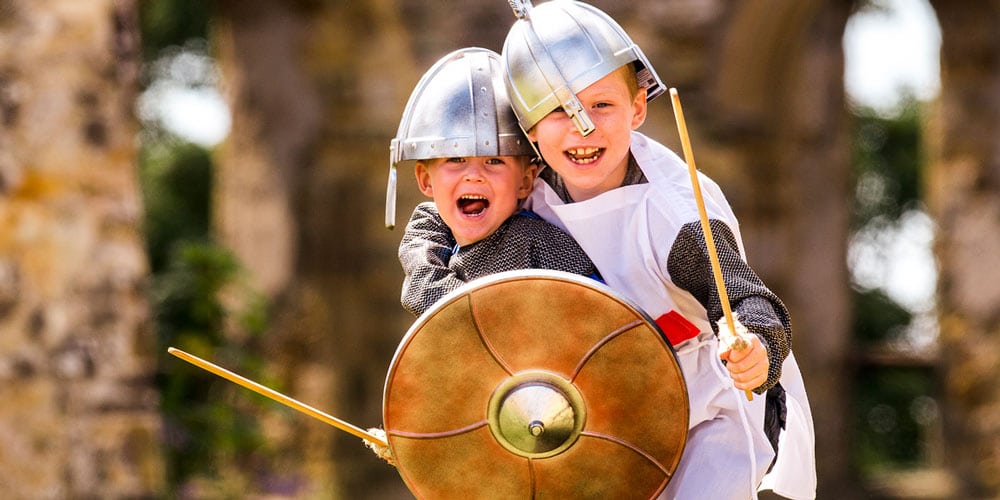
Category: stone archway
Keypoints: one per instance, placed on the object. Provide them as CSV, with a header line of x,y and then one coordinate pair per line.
x,y
964,192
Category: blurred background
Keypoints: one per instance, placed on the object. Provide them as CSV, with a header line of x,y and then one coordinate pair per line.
x,y
211,175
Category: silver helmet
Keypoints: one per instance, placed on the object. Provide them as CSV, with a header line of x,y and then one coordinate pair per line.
x,y
458,108
560,48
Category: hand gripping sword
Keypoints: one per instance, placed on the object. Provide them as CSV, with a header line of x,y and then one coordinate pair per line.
x,y
279,397
713,256
521,8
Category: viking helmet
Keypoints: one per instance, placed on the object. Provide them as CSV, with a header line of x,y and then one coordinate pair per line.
x,y
560,48
458,108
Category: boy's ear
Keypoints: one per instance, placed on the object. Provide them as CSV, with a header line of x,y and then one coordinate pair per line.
x,y
423,174
639,107
527,180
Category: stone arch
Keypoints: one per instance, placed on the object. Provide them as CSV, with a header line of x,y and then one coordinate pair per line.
x,y
772,117
963,187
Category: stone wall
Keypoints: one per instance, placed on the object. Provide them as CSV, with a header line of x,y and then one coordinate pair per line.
x,y
78,417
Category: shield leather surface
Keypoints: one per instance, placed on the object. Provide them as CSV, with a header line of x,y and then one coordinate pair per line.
x,y
535,384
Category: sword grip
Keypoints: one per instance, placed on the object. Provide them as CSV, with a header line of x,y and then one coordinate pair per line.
x,y
521,8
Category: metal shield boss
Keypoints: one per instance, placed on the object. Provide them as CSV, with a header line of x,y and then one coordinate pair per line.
x,y
535,384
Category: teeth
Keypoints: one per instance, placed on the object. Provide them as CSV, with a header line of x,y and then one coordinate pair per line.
x,y
583,155
473,204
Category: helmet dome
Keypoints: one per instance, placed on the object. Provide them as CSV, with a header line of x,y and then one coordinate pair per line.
x,y
559,48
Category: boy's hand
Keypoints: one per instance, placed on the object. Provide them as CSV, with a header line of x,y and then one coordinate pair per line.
x,y
749,366
744,354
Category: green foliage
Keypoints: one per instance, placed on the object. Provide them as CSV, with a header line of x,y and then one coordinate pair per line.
x,y
878,320
887,160
895,414
894,410
204,428
201,305
200,302
176,179
166,23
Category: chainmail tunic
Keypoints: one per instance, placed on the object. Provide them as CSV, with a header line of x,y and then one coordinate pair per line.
x,y
435,265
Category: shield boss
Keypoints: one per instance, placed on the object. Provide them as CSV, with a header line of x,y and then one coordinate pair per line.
x,y
535,384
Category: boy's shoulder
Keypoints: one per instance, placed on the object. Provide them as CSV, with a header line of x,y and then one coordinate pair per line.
x,y
662,162
647,150
529,224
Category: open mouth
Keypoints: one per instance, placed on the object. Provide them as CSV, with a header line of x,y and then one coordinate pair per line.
x,y
584,156
473,204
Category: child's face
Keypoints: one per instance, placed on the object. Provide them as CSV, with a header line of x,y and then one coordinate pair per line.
x,y
594,164
474,195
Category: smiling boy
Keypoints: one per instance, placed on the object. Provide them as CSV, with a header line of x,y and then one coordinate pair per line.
x,y
579,87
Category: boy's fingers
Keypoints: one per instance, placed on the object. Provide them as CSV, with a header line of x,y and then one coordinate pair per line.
x,y
748,369
748,373
735,356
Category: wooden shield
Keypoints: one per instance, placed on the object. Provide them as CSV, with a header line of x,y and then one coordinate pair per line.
x,y
535,384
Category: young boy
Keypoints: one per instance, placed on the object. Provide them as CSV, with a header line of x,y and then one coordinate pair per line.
x,y
580,87
473,160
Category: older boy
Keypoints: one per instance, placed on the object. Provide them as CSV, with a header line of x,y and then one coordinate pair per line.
x,y
579,86
475,163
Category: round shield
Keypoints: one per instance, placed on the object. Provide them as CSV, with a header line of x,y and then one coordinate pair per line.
x,y
535,384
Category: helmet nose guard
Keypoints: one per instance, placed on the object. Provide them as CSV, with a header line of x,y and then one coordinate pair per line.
x,y
459,108
559,48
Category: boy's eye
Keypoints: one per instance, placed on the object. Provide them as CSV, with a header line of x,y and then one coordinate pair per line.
x,y
494,161
602,105
455,160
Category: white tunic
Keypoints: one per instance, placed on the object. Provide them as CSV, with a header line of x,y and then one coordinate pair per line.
x,y
628,233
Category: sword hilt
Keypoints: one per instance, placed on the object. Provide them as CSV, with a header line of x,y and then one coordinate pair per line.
x,y
521,8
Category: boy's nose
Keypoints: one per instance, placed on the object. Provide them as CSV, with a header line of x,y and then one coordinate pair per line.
x,y
572,128
474,172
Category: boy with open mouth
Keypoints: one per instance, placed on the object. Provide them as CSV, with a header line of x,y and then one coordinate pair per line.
x,y
474,162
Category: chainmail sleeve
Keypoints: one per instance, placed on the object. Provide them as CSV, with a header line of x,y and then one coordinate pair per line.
x,y
760,310
424,253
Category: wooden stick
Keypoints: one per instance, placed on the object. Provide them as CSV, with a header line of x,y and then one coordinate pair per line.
x,y
277,396
713,256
